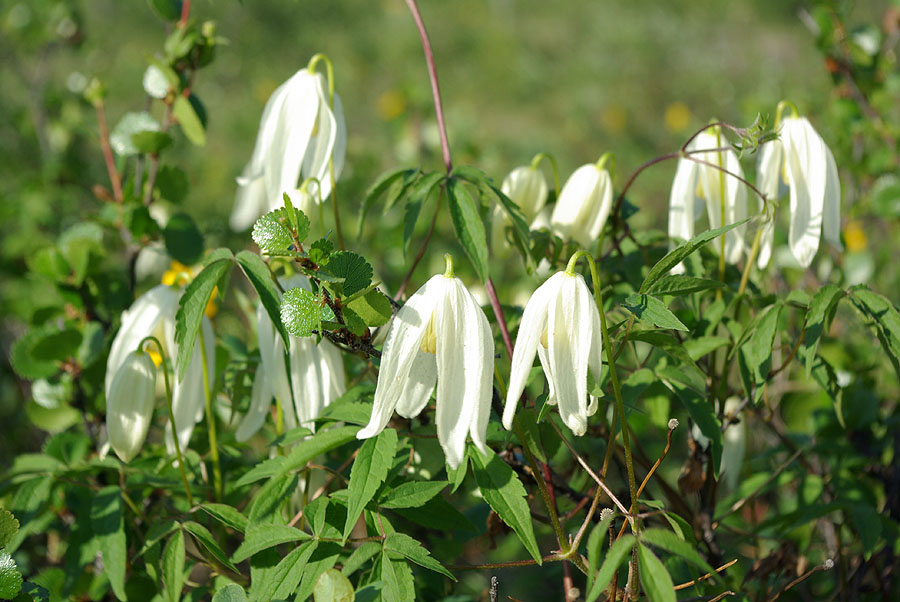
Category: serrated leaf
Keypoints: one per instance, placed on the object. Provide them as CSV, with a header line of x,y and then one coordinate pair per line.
x,y
183,112
10,577
670,542
677,255
651,310
469,226
688,372
230,593
206,540
411,494
184,241
267,502
301,312
321,560
332,586
263,536
192,308
817,322
377,189
884,317
505,494
397,578
281,582
258,274
353,268
617,554
360,556
272,232
679,284
599,535
319,443
108,526
374,308
758,348
369,470
8,527
173,566
654,577
320,251
225,514
413,550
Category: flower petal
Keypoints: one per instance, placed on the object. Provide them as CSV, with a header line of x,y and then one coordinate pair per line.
x,y
769,168
295,120
419,387
806,169
260,400
578,200
568,344
831,222
681,205
318,152
188,398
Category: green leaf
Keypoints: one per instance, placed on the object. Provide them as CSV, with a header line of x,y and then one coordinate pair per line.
x,y
676,256
412,549
679,284
359,557
469,226
173,566
139,222
332,586
614,558
263,536
319,443
172,183
421,191
267,502
758,348
320,251
10,577
169,10
599,535
322,559
504,492
884,318
353,268
151,142
654,577
437,513
8,527
374,308
377,189
206,540
187,117
697,348
183,239
653,311
23,359
230,593
258,274
122,136
272,232
688,372
281,582
398,581
411,494
817,322
107,523
670,542
375,458
225,514
192,308
301,312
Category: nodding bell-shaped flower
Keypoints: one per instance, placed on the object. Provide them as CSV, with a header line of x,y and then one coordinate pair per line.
x,y
801,160
316,379
584,204
298,133
561,323
439,337
697,182
129,404
153,314
527,188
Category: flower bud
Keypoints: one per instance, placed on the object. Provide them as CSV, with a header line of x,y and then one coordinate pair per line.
x,y
129,405
583,205
527,188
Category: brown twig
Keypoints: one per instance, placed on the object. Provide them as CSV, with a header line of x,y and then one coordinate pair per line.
x,y
114,177
688,584
826,566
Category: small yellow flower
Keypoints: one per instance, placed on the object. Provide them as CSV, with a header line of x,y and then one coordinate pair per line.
x,y
391,104
677,117
855,237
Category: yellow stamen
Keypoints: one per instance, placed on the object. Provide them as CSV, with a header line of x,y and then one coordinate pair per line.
x,y
544,338
429,341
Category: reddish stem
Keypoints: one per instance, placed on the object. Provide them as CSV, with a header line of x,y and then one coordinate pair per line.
x,y
108,155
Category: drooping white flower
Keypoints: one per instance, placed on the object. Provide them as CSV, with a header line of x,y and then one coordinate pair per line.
x,y
153,314
316,378
562,325
527,188
697,182
298,133
129,404
802,160
439,337
583,205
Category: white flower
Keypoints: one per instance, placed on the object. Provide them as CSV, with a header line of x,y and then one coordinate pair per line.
x,y
527,188
583,205
561,323
441,336
129,404
695,182
153,314
802,160
316,379
298,134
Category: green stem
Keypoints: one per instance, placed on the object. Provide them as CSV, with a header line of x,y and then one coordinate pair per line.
x,y
211,423
537,161
187,487
751,258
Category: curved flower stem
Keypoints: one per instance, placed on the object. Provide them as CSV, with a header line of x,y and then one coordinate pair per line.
x,y
211,423
184,480
537,161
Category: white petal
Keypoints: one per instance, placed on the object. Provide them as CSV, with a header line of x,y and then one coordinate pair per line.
x,y
769,168
188,397
129,404
400,348
271,351
527,188
534,321
735,208
296,118
577,202
595,221
681,205
418,390
831,224
568,347
318,152
250,202
806,164
260,400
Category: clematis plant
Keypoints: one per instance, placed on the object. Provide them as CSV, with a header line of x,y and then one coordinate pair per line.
x,y
801,160
584,203
440,339
129,404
